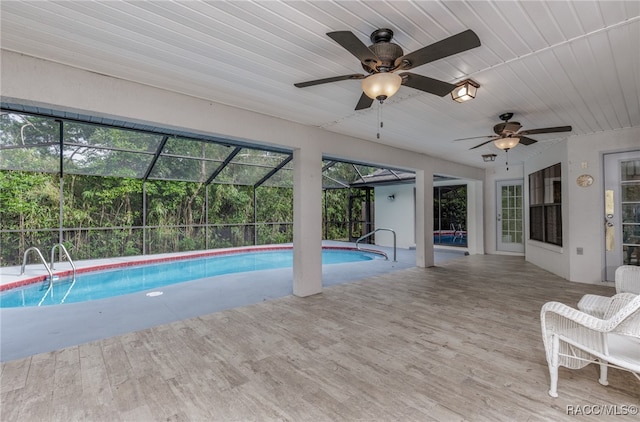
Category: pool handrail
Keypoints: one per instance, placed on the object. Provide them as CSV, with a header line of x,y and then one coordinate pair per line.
x,y
377,230
24,261
61,246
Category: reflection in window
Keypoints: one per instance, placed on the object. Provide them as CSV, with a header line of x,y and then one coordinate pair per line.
x,y
29,143
450,215
630,187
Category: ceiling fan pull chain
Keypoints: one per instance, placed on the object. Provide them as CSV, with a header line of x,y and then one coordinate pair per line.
x,y
507,151
380,124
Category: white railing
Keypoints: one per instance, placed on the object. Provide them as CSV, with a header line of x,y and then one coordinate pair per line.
x,y
377,230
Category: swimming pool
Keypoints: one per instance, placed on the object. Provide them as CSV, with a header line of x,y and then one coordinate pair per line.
x,y
131,279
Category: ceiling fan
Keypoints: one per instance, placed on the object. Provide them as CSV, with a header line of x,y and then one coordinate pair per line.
x,y
381,59
508,134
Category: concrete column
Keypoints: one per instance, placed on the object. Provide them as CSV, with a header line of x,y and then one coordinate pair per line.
x,y
307,221
424,219
475,218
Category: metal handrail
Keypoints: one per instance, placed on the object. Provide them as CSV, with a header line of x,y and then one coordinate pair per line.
x,y
24,261
61,246
377,230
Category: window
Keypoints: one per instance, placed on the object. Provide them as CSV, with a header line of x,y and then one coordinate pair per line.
x,y
545,205
450,215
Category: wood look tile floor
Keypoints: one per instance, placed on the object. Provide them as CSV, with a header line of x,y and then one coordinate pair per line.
x,y
460,341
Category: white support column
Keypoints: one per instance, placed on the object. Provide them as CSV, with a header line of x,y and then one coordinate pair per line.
x,y
307,221
475,218
424,219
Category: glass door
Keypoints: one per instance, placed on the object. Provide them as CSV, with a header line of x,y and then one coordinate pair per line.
x,y
622,210
510,233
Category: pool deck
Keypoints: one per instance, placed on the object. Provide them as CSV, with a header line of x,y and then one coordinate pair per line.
x,y
28,331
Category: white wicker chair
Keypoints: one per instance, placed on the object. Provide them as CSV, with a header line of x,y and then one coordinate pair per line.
x,y
574,339
627,279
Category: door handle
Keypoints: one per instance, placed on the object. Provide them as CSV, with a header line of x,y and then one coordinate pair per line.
x,y
609,232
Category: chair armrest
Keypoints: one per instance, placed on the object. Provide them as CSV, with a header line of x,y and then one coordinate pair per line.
x,y
621,306
594,305
567,312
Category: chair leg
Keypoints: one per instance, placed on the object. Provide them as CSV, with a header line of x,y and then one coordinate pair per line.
x,y
553,366
603,373
553,373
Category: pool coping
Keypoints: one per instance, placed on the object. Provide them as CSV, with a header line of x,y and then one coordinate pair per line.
x,y
161,258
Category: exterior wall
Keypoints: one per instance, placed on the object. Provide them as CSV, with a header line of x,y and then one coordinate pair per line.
x,y
398,215
586,205
582,213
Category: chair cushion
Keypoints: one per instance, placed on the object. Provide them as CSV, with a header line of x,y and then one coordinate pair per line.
x,y
624,351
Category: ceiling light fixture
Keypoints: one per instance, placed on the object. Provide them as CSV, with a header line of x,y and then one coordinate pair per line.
x,y
381,86
465,91
506,143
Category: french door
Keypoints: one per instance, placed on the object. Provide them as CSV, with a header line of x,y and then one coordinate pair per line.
x,y
510,230
621,211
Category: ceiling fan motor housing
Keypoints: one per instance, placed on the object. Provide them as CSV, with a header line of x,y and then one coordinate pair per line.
x,y
507,128
506,116
386,51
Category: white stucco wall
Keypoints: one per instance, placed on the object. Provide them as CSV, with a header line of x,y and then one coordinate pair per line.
x,y
398,215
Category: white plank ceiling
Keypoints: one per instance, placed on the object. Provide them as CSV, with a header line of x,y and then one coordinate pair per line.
x,y
551,63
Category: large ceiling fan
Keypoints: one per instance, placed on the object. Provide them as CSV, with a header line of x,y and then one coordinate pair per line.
x,y
383,58
508,134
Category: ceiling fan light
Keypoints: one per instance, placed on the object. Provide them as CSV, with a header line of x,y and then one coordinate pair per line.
x,y
465,91
506,143
381,86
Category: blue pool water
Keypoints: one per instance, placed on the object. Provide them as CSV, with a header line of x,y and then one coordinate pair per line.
x,y
120,281
449,240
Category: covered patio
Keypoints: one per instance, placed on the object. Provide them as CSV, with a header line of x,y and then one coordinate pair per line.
x,y
457,341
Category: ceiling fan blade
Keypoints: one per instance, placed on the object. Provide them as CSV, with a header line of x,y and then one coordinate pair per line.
x,y
423,83
527,141
364,102
327,80
463,41
484,143
546,130
353,45
474,137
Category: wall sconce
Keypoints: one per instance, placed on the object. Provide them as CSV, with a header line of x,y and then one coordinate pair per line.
x,y
392,197
488,157
465,91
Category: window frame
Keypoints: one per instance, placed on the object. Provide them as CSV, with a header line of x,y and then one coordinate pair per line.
x,y
545,205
